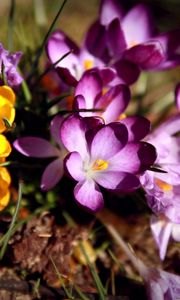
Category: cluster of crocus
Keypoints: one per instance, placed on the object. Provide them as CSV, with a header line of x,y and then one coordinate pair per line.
x,y
99,146
7,114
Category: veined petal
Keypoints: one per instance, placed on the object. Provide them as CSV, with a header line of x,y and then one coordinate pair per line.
x,y
120,181
110,10
138,127
108,141
89,86
138,25
74,165
114,102
35,147
88,195
134,157
52,174
73,135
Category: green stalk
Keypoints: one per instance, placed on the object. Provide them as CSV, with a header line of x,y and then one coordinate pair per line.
x,y
100,288
11,227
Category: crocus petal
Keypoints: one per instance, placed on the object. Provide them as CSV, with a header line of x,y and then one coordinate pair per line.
x,y
127,71
177,95
58,45
96,42
116,39
114,102
147,55
110,10
108,141
134,157
176,232
161,230
138,127
55,128
52,174
137,25
35,147
89,87
88,195
73,135
74,165
120,181
169,41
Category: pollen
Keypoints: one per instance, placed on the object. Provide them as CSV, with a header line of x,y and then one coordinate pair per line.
x,y
88,64
100,165
163,185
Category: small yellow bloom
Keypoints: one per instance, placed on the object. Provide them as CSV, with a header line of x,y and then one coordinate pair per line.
x,y
5,181
7,111
5,147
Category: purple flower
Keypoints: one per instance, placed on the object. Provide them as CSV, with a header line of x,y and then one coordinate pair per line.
x,y
41,148
89,95
71,68
132,37
160,285
102,156
10,62
163,189
163,230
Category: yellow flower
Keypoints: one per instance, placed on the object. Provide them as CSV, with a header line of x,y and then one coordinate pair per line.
x,y
5,147
7,101
5,181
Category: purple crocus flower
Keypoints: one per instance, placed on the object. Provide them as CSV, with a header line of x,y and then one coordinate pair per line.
x,y
89,95
111,104
71,68
102,156
163,230
41,148
132,37
163,189
160,285
10,62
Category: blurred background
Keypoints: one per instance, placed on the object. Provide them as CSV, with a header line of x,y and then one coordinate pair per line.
x,y
32,18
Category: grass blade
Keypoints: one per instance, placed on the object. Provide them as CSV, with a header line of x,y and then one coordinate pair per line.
x,y
10,231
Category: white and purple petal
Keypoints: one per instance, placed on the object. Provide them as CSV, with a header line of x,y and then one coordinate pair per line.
x,y
110,10
108,141
74,166
138,25
88,195
73,135
114,102
138,127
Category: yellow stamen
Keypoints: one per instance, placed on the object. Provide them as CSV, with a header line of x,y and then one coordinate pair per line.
x,y
163,185
104,90
100,165
121,117
88,64
132,44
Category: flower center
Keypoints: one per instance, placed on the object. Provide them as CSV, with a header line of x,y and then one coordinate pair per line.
x,y
163,185
100,165
88,64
